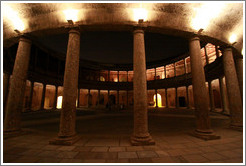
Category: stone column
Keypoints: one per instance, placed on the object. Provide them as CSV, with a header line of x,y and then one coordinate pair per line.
x,y
67,133
222,89
211,96
118,98
233,90
165,71
31,96
166,99
43,97
12,123
55,99
176,97
156,99
78,98
141,134
239,70
88,101
187,97
5,87
108,75
203,128
184,66
223,96
210,88
127,98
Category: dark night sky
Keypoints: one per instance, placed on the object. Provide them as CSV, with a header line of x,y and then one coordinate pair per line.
x,y
117,47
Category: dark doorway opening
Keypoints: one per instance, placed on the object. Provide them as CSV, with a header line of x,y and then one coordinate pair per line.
x,y
182,102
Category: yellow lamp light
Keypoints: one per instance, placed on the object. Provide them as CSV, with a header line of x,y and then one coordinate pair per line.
x,y
233,38
71,14
13,16
159,102
59,102
140,14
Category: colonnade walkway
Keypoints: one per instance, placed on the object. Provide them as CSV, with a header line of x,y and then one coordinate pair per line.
x,y
105,137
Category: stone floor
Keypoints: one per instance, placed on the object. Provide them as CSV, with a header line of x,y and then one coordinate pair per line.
x,y
105,139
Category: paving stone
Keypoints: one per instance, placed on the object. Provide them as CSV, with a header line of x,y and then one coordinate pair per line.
x,y
213,156
95,161
85,155
207,149
48,153
166,159
175,152
67,154
49,160
117,161
161,153
103,142
51,147
15,151
106,155
31,152
142,160
195,158
27,159
66,148
117,149
83,148
100,149
71,161
230,154
7,158
146,154
127,155
134,148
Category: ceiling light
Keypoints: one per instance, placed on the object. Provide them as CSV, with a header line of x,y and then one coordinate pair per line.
x,y
140,14
205,13
71,14
13,16
233,38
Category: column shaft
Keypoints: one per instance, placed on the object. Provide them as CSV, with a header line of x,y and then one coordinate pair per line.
x,y
88,101
55,98
5,88
223,96
187,97
43,96
166,98
156,99
211,96
17,87
78,98
203,128
70,85
239,70
31,96
141,135
233,91
176,97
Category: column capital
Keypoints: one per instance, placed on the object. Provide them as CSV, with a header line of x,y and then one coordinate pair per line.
x,y
194,37
24,38
74,30
138,29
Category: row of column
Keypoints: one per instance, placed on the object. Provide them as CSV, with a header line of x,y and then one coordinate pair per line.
x,y
67,133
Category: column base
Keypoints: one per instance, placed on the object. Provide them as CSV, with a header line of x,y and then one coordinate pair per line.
x,y
139,141
236,127
205,135
65,141
13,133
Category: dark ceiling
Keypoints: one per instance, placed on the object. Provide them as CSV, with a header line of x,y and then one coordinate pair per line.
x,y
117,47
